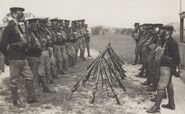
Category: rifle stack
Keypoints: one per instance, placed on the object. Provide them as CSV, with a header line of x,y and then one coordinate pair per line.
x,y
104,71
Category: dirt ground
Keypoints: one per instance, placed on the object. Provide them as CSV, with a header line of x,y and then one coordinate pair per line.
x,y
134,101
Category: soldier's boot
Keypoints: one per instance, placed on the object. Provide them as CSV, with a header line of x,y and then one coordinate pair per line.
x,y
65,65
83,57
82,52
136,60
147,82
16,101
49,79
54,73
141,72
171,103
155,83
151,88
45,87
154,99
159,97
31,92
88,52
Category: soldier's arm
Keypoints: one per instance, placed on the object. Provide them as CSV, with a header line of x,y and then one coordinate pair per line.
x,y
5,41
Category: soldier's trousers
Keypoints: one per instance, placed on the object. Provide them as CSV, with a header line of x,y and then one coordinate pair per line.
x,y
58,57
165,82
53,66
20,68
88,47
2,61
75,46
71,54
33,62
43,67
64,57
82,47
150,67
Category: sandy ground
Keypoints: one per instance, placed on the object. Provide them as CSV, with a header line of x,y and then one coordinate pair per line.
x,y
134,101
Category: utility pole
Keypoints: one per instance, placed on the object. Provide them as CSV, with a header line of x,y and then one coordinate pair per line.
x,y
180,6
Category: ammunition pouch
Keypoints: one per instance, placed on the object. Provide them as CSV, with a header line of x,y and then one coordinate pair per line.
x,y
20,47
33,52
166,59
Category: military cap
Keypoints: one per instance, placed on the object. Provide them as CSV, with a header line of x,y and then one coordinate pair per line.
x,y
33,20
66,20
15,9
157,25
54,20
147,24
85,25
135,24
81,21
43,20
167,27
60,20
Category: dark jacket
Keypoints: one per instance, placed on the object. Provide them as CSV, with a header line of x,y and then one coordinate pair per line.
x,y
11,36
171,57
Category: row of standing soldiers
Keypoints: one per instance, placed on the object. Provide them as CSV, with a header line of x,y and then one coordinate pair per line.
x,y
45,49
158,53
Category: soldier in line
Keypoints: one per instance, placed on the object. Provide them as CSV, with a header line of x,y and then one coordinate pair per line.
x,y
135,35
44,26
65,36
143,37
13,46
56,45
75,34
81,38
2,61
87,40
71,46
169,61
36,57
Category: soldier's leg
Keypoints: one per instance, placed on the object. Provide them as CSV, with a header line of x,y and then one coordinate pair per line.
x,y
149,70
48,68
53,67
83,49
165,78
32,62
88,48
28,76
136,55
53,70
170,91
2,61
65,60
63,57
59,60
15,70
42,75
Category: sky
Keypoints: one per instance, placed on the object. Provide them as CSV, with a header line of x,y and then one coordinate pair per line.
x,y
114,13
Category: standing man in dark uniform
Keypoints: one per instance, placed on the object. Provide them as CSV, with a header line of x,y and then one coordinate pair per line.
x,y
87,39
13,46
169,61
135,35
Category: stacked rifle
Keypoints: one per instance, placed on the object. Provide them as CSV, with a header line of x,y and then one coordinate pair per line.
x,y
104,71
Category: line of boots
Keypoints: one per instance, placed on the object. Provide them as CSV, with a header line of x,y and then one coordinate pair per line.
x,y
30,91
158,100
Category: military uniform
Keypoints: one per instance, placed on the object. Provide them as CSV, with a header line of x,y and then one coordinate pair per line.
x,y
169,61
13,47
135,35
38,56
2,61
